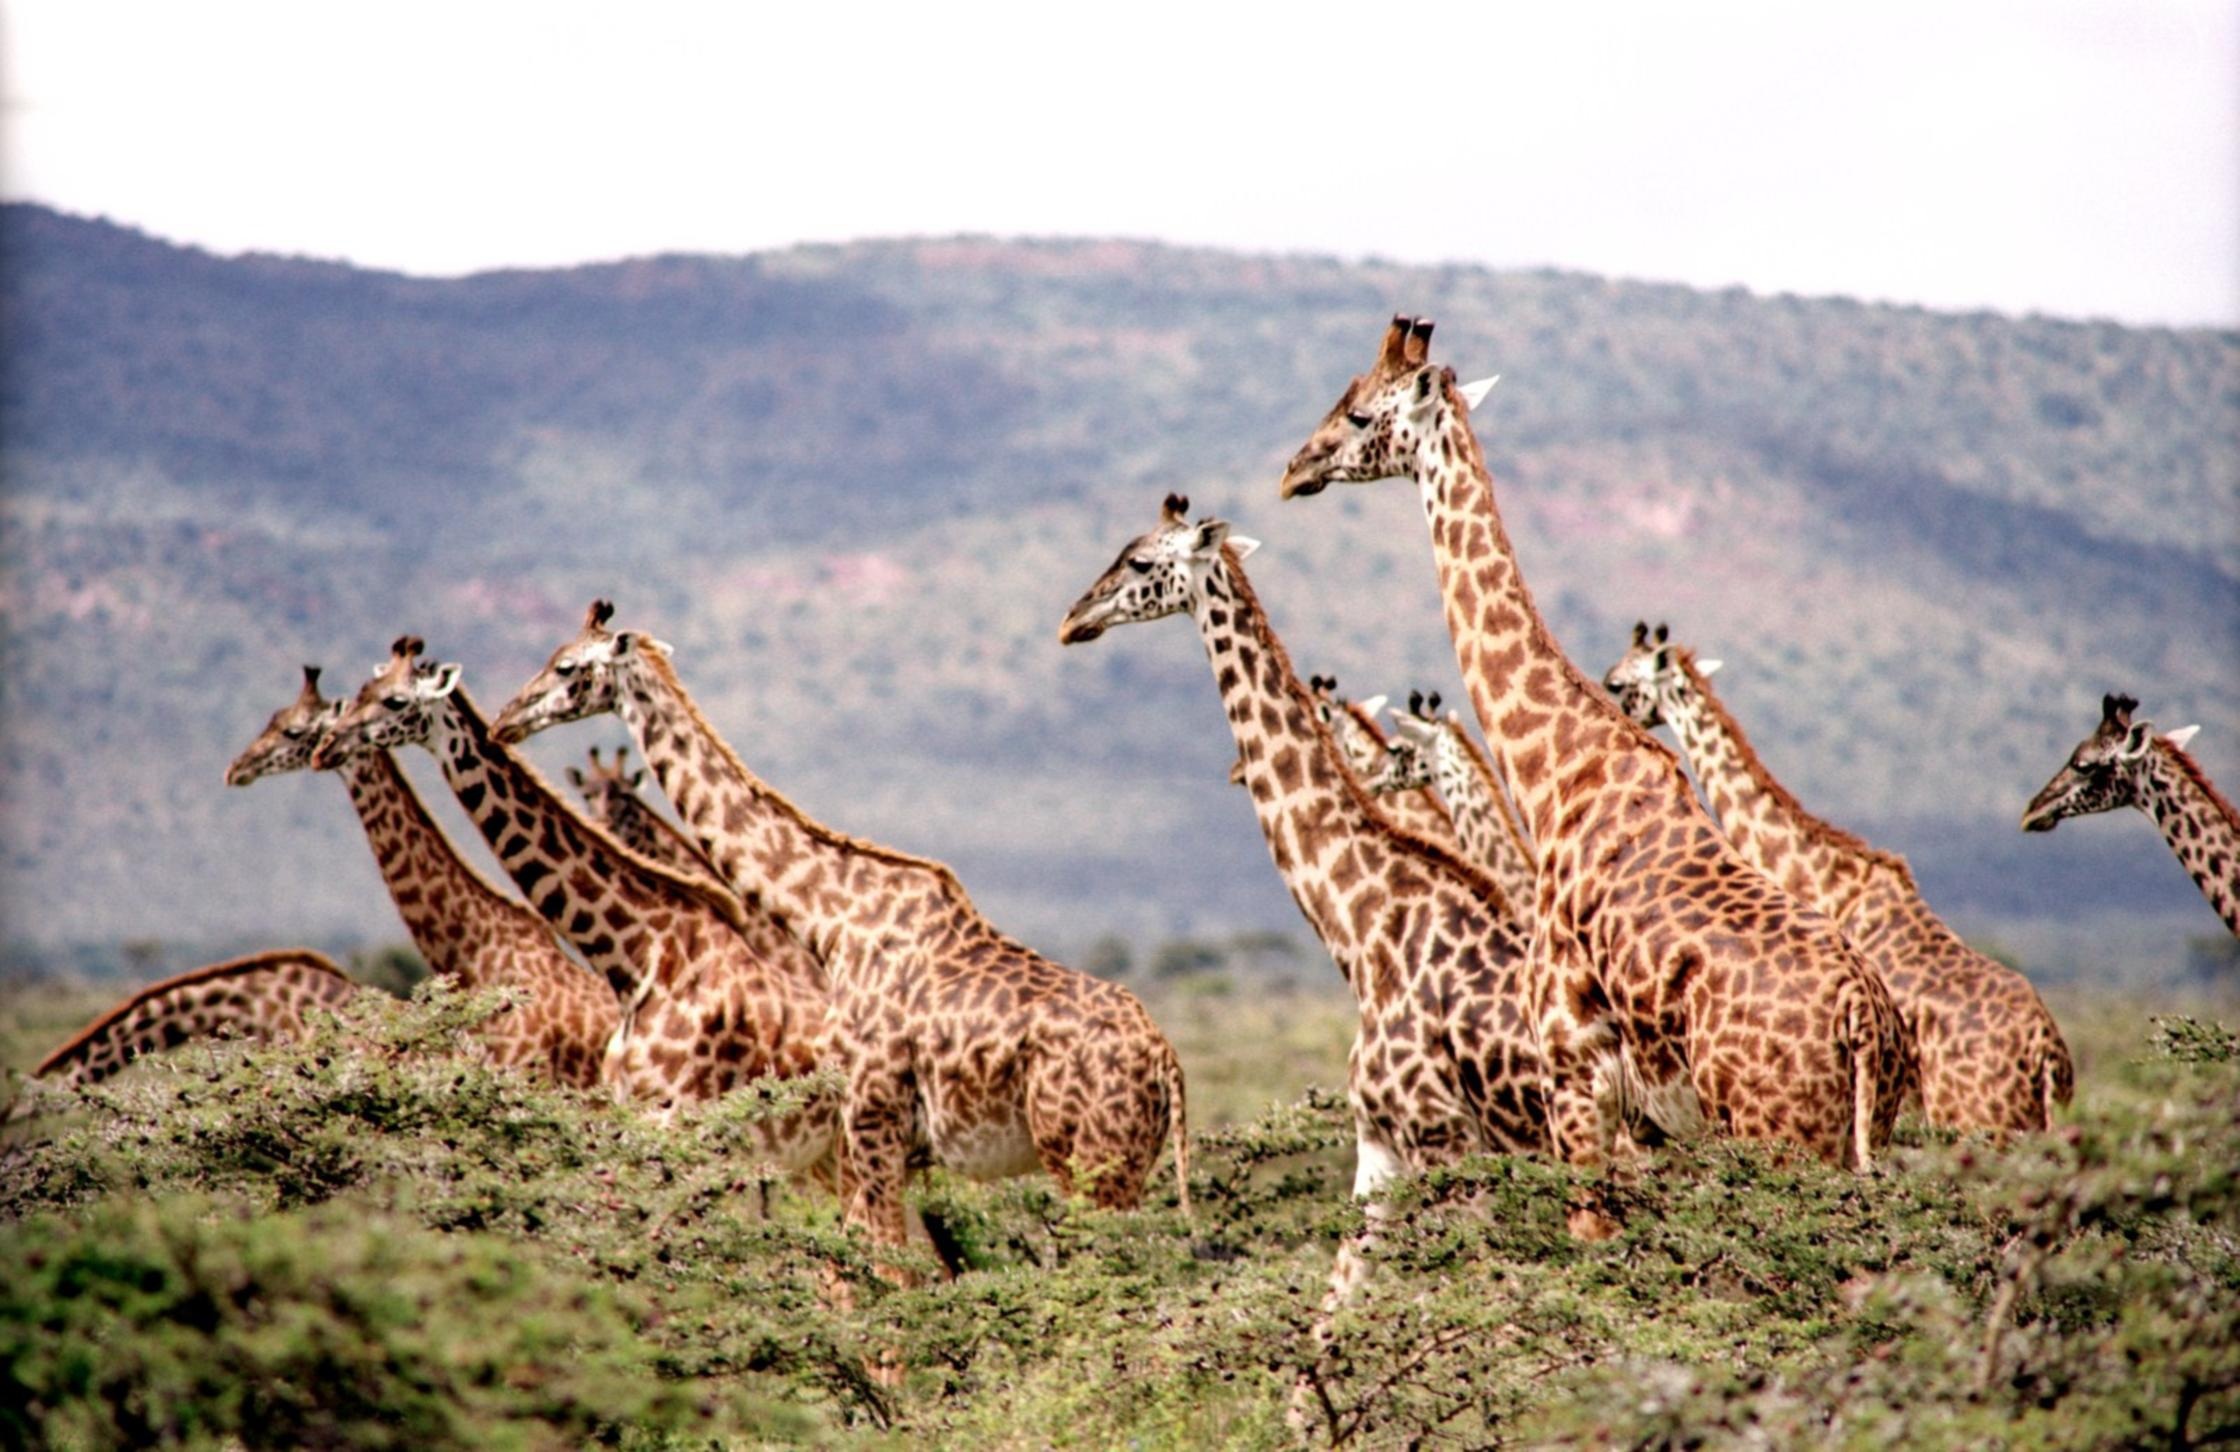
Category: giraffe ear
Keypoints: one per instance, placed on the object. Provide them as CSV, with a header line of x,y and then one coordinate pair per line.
x,y
441,681
637,778
2182,735
1709,667
1474,393
1375,705
2136,741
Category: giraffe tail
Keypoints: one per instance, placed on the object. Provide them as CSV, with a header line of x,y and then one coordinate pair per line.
x,y
2057,1073
1864,1042
1178,1125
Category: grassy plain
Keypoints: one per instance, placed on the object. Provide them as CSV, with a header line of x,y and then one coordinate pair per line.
x,y
366,1241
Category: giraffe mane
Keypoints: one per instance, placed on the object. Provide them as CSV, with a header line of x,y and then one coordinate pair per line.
x,y
1815,827
1480,882
231,967
1472,457
725,904
830,836
2199,778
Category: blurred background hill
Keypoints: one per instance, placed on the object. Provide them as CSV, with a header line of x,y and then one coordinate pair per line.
x,y
856,486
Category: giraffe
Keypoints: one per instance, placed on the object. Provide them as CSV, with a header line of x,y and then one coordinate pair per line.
x,y
705,1014
1428,751
610,798
1651,933
562,1018
1991,1056
264,996
1363,749
2124,764
1443,1061
957,1045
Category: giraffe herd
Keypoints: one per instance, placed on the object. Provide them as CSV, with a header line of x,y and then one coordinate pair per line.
x,y
1555,945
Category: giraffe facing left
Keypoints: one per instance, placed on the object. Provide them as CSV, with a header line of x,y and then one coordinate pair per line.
x,y
263,996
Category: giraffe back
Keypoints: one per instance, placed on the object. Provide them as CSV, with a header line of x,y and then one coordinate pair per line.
x,y
262,996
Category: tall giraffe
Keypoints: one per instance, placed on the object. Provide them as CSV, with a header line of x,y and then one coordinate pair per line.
x,y
1651,932
610,798
2124,764
1991,1056
706,1015
265,996
955,1042
1443,1060
1362,749
562,1017
1427,751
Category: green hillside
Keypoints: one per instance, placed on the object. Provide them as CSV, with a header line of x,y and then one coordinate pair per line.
x,y
856,487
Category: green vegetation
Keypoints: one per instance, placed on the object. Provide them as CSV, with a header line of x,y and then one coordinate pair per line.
x,y
360,1240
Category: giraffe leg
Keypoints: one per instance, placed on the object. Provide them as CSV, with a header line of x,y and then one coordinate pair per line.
x,y
1582,1075
1374,1166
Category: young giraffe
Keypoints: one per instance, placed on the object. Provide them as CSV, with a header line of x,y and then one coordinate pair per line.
x,y
2124,764
1651,932
706,1015
610,798
955,1042
467,931
1443,1062
1991,1057
1362,749
262,997
1429,752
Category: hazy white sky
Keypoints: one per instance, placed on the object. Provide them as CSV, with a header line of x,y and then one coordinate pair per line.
x,y
2052,155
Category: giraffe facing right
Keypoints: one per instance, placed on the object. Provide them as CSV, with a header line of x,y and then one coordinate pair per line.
x,y
1991,1056
1363,749
2123,763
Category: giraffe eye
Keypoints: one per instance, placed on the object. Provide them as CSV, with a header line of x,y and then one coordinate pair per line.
x,y
1141,567
396,703
1359,419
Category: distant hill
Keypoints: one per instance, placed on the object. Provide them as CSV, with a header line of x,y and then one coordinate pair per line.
x,y
856,486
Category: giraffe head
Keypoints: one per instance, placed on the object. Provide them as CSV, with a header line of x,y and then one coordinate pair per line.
x,y
584,677
289,738
1413,752
391,709
2104,772
1157,575
1649,681
604,786
1374,428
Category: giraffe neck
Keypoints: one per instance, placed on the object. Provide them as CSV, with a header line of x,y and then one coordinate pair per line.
x,y
1481,814
1556,735
2199,824
595,894
1766,824
649,834
814,880
447,907
1314,815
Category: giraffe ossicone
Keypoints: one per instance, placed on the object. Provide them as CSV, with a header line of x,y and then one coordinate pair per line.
x,y
1654,938
2124,763
1990,1054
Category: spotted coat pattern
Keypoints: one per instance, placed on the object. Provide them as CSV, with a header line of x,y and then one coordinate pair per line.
x,y
267,996
1428,751
1652,934
1990,1055
2126,764
1362,749
704,1015
561,1018
958,1045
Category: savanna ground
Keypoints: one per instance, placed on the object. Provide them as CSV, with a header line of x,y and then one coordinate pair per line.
x,y
364,1241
